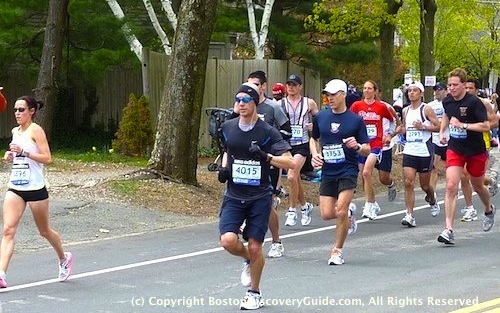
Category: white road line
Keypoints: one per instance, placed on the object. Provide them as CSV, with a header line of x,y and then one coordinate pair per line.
x,y
191,254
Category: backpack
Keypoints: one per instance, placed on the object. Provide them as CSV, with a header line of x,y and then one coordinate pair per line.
x,y
217,116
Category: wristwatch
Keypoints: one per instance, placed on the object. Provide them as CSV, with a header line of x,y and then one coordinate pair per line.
x,y
466,125
359,147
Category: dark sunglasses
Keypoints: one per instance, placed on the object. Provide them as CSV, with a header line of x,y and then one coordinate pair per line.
x,y
244,99
19,109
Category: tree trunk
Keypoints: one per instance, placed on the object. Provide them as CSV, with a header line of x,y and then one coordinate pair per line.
x,y
50,65
387,29
279,48
428,10
176,145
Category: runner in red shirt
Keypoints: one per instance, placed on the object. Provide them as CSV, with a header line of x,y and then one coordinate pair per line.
x,y
373,112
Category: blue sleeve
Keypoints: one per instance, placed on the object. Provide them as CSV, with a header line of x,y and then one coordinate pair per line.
x,y
362,136
278,144
315,131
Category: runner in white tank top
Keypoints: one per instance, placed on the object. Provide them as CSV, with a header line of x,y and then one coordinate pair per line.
x,y
29,151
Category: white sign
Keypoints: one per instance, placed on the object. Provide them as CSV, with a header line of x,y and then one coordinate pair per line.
x,y
430,81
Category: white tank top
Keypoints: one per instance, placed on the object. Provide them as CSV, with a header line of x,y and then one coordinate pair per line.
x,y
437,106
416,140
26,174
299,117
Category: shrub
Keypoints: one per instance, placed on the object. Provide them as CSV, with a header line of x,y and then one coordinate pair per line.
x,y
135,132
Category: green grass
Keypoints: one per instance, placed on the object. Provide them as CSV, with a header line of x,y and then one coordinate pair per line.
x,y
125,187
100,157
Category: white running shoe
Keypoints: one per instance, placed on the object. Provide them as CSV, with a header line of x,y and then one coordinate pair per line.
x,y
489,220
3,283
276,250
307,210
392,192
470,214
276,203
435,209
242,227
409,220
291,218
336,258
447,237
66,267
245,274
352,219
368,211
493,188
251,301
376,209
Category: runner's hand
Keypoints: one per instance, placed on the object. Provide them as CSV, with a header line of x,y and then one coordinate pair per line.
x,y
224,174
258,154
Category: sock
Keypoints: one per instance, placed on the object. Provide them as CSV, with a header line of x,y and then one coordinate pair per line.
x,y
290,209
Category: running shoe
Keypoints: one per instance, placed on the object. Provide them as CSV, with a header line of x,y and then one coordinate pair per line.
x,y
352,219
470,214
336,258
493,188
409,220
276,250
489,219
435,209
245,274
392,192
307,210
66,266
369,211
3,283
447,237
276,203
376,209
252,301
282,193
291,218
242,227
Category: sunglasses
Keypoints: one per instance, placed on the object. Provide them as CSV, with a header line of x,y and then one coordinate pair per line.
x,y
244,99
21,110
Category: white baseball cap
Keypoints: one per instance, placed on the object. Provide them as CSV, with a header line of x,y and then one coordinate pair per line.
x,y
334,86
418,85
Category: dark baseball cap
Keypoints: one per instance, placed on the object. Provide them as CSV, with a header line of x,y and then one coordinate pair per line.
x,y
440,86
294,79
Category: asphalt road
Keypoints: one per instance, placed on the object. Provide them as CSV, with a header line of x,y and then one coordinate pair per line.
x,y
389,268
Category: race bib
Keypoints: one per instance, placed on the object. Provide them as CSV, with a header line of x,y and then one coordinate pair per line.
x,y
458,132
413,135
297,133
246,172
333,154
371,130
20,174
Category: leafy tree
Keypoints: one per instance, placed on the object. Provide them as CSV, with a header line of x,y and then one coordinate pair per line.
x,y
465,35
345,21
175,151
50,65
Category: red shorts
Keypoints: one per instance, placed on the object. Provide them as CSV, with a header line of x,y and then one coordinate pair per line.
x,y
476,164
